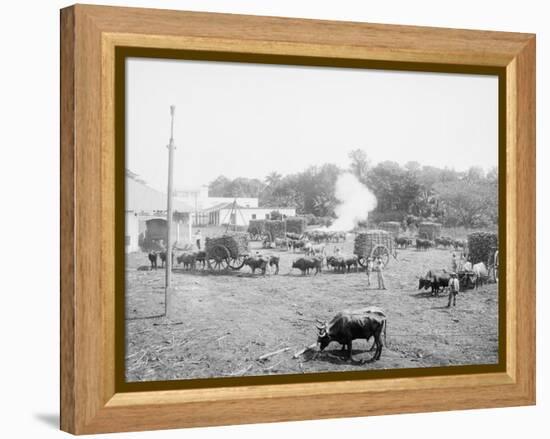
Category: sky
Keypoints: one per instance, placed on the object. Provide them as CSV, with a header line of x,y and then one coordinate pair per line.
x,y
247,120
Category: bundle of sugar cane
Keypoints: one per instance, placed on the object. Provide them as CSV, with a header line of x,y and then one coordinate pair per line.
x,y
366,241
428,230
296,224
256,226
276,228
236,243
482,246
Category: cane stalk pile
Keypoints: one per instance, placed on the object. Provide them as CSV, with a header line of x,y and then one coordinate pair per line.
x,y
256,226
276,228
481,246
236,243
366,241
427,230
296,224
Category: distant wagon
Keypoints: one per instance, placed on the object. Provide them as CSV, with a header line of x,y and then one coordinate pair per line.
x,y
483,247
374,244
273,229
256,229
429,230
154,235
296,225
228,251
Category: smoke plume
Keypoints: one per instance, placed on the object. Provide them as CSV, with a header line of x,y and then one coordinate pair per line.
x,y
355,202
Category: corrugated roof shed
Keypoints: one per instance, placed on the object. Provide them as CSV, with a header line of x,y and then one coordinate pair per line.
x,y
143,198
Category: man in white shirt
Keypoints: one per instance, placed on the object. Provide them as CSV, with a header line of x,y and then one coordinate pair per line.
x,y
369,269
454,288
198,239
379,267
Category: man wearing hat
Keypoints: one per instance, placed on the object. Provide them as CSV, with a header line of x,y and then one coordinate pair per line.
x,y
368,269
379,267
454,288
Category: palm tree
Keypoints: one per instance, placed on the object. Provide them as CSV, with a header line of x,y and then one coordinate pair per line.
x,y
273,179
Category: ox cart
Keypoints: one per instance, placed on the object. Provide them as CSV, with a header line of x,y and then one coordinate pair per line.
x,y
374,244
228,251
256,229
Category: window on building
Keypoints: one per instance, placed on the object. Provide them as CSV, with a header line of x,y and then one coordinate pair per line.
x,y
267,216
253,216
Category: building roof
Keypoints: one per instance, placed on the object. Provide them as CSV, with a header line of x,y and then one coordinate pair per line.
x,y
221,206
142,198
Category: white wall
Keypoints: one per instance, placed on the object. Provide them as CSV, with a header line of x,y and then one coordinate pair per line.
x,y
132,232
29,88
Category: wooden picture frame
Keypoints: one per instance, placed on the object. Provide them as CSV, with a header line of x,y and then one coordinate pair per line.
x,y
90,36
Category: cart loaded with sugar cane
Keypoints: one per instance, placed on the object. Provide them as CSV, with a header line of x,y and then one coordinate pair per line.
x,y
228,251
483,247
374,244
256,229
273,229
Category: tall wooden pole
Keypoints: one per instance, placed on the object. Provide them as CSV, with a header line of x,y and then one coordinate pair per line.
x,y
168,302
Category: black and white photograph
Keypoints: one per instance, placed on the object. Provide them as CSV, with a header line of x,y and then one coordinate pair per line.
x,y
284,219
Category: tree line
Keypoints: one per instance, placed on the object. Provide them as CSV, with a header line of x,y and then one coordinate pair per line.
x,y
410,192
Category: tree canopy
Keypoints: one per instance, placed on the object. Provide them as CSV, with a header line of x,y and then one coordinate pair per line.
x,y
468,198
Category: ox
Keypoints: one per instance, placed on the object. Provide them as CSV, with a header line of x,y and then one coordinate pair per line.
x,y
163,258
423,244
314,249
306,264
274,262
188,260
256,262
403,242
153,259
436,279
480,274
347,326
338,263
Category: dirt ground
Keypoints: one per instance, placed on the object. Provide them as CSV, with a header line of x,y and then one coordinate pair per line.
x,y
224,322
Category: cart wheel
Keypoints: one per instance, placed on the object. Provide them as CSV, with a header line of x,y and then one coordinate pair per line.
x,y
362,261
237,263
218,258
382,252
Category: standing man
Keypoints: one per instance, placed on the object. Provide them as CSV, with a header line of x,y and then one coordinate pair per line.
x,y
379,270
368,269
198,238
454,288
454,263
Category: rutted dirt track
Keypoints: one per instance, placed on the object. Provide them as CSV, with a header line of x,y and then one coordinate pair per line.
x,y
224,322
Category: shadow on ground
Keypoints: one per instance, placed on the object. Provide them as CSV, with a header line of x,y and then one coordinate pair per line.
x,y
49,419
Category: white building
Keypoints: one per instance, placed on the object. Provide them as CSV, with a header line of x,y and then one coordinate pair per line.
x,y
143,203
236,214
200,202
131,238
